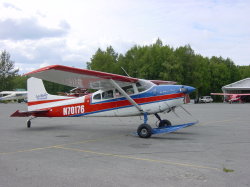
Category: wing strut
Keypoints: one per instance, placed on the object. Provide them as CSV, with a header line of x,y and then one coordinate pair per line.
x,y
126,95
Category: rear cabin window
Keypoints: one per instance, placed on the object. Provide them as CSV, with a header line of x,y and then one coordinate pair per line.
x,y
97,97
107,94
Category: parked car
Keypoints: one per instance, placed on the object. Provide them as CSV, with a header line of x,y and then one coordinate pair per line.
x,y
206,99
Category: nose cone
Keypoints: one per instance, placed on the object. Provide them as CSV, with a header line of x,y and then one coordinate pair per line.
x,y
189,89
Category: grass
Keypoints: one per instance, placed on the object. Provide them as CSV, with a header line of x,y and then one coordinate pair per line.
x,y
227,170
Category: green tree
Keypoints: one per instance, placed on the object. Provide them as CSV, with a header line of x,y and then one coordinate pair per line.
x,y
104,60
158,61
244,71
7,71
19,81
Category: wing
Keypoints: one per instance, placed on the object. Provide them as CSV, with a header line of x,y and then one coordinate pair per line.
x,y
81,78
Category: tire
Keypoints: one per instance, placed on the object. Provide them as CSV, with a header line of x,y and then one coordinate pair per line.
x,y
28,124
144,131
164,123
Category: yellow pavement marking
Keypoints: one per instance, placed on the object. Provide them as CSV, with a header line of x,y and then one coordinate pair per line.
x,y
141,159
26,150
53,146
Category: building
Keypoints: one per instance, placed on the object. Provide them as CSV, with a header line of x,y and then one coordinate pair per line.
x,y
239,87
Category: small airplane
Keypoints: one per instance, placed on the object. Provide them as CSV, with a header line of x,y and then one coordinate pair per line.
x,y
117,96
13,95
232,97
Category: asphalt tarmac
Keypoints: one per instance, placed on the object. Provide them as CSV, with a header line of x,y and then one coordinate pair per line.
x,y
104,151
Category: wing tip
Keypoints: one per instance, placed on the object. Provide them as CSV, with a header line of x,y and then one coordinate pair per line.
x,y
42,69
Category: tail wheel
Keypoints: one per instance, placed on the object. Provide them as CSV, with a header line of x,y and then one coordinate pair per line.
x,y
28,124
144,131
164,123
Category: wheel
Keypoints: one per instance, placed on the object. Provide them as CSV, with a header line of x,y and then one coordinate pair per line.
x,y
28,124
164,123
144,131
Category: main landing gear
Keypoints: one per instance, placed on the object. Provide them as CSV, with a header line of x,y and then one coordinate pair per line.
x,y
145,130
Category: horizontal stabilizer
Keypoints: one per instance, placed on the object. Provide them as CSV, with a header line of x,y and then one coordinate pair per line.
x,y
29,113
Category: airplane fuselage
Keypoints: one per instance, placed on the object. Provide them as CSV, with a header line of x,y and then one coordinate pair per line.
x,y
154,100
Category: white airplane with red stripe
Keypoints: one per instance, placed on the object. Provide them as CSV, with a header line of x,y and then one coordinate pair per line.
x,y
117,95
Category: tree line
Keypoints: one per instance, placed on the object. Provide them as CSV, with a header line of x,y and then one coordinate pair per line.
x,y
162,62
155,61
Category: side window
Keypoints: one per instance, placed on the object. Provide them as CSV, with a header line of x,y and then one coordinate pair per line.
x,y
97,96
140,87
129,89
108,94
117,94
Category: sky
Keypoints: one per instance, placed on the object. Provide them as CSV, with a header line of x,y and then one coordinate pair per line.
x,y
68,32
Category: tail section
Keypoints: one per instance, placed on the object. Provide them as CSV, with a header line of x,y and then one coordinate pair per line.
x,y
38,98
36,90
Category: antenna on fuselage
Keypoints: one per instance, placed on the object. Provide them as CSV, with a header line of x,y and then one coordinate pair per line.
x,y
125,72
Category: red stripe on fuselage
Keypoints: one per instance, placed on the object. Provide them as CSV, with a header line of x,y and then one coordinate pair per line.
x,y
93,107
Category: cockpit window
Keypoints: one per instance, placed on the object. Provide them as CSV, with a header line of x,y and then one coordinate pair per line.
x,y
129,89
140,87
143,85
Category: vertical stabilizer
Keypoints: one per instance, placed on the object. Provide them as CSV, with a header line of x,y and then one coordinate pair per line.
x,y
36,90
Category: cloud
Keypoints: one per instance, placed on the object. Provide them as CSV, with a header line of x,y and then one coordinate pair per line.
x,y
29,28
33,54
9,5
211,27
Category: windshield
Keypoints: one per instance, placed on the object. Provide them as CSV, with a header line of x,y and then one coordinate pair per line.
x,y
143,85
